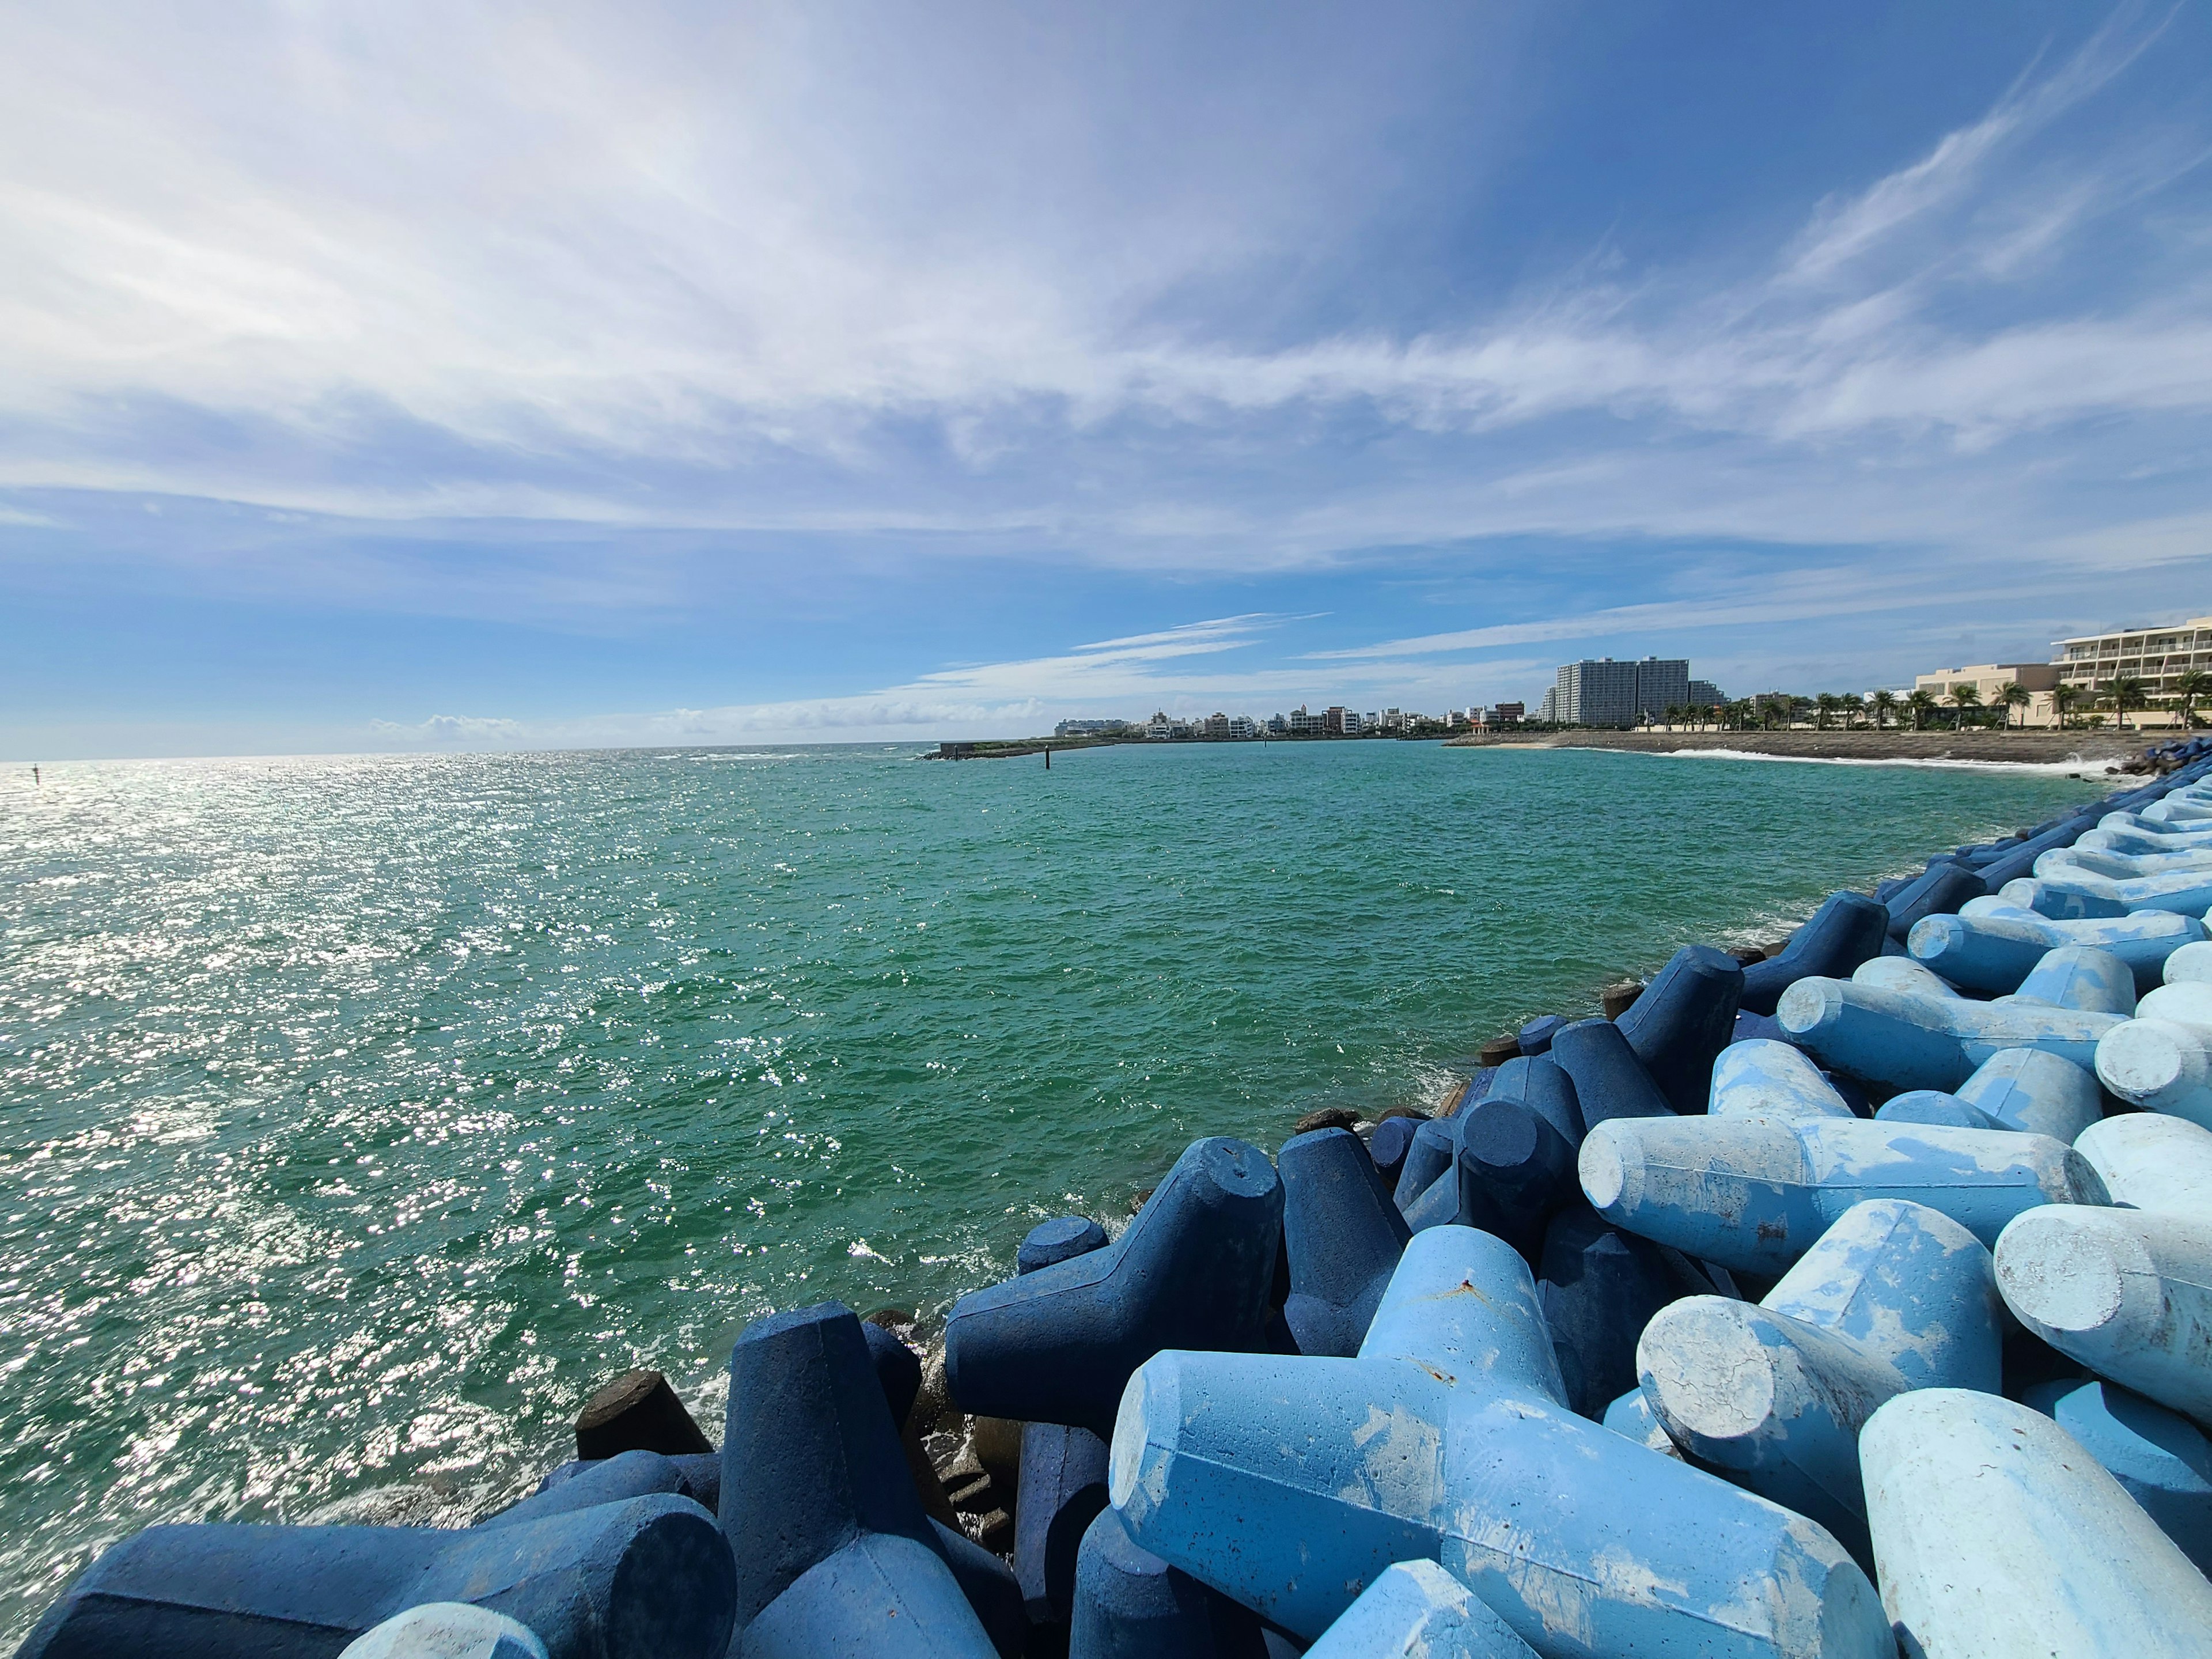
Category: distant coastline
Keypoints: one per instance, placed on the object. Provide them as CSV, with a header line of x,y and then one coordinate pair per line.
x,y
2095,749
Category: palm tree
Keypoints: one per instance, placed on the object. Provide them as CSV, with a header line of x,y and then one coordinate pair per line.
x,y
2013,695
1921,703
1674,715
1884,703
2188,687
1827,704
1964,696
2062,698
2123,692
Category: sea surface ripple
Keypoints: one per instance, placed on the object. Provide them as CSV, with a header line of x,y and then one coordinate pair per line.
x,y
361,1114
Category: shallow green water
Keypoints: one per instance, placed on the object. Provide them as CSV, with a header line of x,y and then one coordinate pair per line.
x,y
361,1115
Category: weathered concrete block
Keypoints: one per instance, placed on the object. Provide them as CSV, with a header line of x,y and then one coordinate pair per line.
x,y
1193,1270
1063,1487
2150,1161
2122,832
1774,1395
1686,1017
448,1630
2161,1061
1608,1080
1765,1078
833,1550
1912,1041
2159,1457
1417,1610
1996,1537
2039,1093
1755,1193
650,1578
1292,1484
2122,866
2191,964
2067,891
1994,945
1935,1106
1845,931
2081,977
1344,1235
1130,1604
2126,1292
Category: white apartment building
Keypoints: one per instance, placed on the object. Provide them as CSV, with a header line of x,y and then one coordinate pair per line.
x,y
2154,655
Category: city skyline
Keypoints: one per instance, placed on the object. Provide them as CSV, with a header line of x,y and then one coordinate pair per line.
x,y
683,374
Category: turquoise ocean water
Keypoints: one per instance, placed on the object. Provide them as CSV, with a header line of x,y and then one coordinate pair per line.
x,y
361,1114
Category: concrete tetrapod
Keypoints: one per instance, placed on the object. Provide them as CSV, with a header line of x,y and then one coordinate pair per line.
x,y
1063,1487
1541,1083
2013,1089
2159,1457
1130,1604
650,1578
1416,1610
833,1550
1392,1140
1761,1078
448,1630
1754,1194
1907,1039
1996,1538
2123,832
2161,1061
1685,1016
2126,1292
2191,964
1773,1393
1943,888
1847,929
2066,892
1598,1287
1291,1485
1992,945
1193,1269
2150,1161
1343,1235
1430,1154
2124,866
1608,1080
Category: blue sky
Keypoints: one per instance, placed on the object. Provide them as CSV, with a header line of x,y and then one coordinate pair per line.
x,y
392,377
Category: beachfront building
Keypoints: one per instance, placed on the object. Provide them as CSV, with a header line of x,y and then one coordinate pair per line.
x,y
2157,656
1547,711
1703,694
1090,728
1303,724
1159,728
1604,692
1243,726
1505,713
1989,680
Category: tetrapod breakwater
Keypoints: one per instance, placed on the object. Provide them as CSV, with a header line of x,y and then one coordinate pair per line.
x,y
1845,1299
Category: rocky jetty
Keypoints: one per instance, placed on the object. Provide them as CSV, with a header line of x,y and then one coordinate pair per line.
x,y
1847,1301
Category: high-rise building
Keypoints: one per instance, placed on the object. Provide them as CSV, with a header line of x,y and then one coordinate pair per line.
x,y
1703,694
1605,692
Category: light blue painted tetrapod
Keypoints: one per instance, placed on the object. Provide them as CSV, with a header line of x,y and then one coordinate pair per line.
x,y
2126,1292
1773,1393
1292,1484
1416,1610
1754,1194
1996,1537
